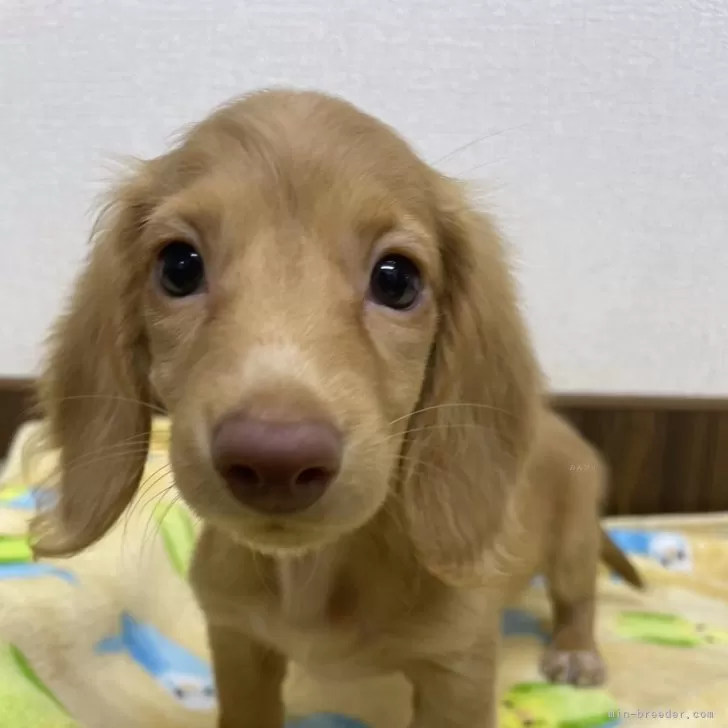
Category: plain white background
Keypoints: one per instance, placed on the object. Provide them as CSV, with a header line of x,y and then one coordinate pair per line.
x,y
598,129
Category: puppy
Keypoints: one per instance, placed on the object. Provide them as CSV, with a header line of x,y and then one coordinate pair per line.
x,y
357,414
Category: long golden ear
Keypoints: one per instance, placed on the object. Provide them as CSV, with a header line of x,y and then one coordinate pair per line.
x,y
475,423
93,390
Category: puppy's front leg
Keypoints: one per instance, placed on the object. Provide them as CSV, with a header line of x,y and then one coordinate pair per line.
x,y
249,679
457,691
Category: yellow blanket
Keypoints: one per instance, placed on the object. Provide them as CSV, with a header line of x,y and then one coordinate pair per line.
x,y
113,638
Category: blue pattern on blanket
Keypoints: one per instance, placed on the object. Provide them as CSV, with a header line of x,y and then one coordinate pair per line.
x,y
35,571
520,623
326,720
18,562
184,676
669,549
34,498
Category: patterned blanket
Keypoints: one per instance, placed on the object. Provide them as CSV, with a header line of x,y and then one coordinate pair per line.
x,y
113,638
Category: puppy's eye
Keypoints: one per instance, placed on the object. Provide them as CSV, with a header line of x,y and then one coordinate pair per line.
x,y
181,271
395,282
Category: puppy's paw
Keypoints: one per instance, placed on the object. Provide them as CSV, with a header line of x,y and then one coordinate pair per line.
x,y
575,667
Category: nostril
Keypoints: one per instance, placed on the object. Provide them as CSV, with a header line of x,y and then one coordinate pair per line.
x,y
313,477
243,477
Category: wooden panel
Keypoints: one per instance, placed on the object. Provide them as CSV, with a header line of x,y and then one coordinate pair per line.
x,y
15,404
667,455
664,458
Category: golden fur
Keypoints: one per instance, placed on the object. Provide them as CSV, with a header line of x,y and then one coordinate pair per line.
x,y
458,482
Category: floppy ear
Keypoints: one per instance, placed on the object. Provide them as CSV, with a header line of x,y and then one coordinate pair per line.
x,y
93,390
475,422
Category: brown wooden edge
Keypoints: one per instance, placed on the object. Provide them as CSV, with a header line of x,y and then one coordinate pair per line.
x,y
666,454
16,402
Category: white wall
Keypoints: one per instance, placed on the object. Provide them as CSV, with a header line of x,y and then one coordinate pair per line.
x,y
603,128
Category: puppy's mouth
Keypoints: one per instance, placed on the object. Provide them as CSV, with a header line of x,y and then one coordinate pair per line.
x,y
277,536
302,531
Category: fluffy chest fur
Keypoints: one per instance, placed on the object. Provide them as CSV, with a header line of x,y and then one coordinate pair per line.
x,y
340,612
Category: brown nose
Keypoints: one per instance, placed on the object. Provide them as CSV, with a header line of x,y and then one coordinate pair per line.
x,y
273,466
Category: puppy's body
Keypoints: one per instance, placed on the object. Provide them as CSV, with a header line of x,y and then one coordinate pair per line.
x,y
357,414
364,604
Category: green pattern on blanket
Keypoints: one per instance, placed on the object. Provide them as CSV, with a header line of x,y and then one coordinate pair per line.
x,y
178,534
541,705
15,549
667,630
25,700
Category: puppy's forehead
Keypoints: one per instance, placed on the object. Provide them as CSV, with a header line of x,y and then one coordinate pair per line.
x,y
301,127
312,156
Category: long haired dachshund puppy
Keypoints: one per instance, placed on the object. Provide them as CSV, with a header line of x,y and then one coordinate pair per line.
x,y
357,414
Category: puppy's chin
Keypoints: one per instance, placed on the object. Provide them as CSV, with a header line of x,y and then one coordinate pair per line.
x,y
284,538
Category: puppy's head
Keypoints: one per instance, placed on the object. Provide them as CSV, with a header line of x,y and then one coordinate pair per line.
x,y
328,323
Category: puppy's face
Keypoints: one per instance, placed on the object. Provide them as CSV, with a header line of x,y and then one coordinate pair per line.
x,y
325,319
290,310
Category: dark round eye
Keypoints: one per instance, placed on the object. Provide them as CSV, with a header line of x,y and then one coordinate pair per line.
x,y
181,271
395,282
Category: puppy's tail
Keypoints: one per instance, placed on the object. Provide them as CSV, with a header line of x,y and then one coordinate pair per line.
x,y
615,559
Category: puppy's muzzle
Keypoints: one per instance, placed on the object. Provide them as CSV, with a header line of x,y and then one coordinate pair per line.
x,y
276,466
